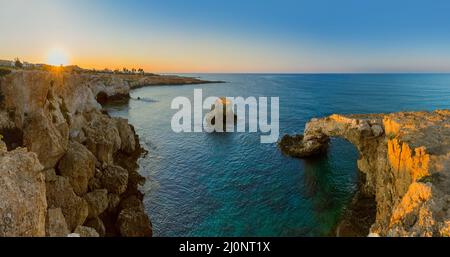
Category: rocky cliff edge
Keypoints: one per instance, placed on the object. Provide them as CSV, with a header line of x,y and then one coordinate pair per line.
x,y
66,166
404,158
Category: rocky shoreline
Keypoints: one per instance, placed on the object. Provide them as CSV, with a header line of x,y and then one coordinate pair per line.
x,y
358,216
405,168
66,166
167,80
110,87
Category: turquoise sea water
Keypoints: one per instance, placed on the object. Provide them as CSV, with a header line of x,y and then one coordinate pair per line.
x,y
228,184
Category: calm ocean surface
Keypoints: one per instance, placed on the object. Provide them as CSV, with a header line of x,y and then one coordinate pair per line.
x,y
228,184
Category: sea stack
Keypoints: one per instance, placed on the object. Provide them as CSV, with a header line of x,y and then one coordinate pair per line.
x,y
221,110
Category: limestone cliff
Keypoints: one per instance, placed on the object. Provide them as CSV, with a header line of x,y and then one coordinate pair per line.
x,y
405,158
22,183
65,165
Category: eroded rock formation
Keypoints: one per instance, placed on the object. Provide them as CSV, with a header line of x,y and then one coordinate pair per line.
x,y
405,158
23,205
68,166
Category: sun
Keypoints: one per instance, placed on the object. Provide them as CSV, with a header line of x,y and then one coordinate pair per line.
x,y
57,57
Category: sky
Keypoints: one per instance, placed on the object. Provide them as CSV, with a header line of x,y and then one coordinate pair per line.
x,y
230,36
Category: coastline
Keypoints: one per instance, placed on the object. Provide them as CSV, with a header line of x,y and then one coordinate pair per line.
x,y
403,162
179,84
72,157
169,80
78,166
82,163
122,84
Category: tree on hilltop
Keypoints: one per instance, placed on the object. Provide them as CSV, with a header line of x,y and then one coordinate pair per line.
x,y
18,63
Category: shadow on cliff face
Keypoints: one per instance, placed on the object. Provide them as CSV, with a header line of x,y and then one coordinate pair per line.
x,y
13,137
359,215
101,98
118,99
334,185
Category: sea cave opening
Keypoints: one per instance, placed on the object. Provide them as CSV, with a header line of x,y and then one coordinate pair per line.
x,y
337,180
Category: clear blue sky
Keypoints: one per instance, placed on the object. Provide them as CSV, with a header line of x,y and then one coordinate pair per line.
x,y
234,36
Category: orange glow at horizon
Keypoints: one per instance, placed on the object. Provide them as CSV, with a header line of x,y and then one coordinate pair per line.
x,y
100,34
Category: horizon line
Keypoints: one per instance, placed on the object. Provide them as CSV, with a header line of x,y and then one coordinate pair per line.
x,y
253,72
312,73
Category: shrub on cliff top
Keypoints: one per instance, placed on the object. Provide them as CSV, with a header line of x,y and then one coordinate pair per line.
x,y
4,72
18,63
391,135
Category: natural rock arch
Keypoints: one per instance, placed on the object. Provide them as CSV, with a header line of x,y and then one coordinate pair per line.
x,y
406,167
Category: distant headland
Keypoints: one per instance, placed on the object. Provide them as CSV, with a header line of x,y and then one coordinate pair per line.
x,y
134,77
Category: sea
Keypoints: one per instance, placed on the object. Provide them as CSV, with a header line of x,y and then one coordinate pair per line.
x,y
230,184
